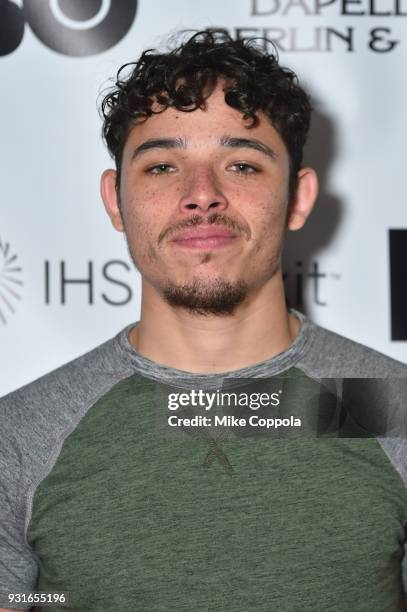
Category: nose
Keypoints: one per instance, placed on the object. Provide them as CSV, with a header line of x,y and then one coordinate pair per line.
x,y
202,193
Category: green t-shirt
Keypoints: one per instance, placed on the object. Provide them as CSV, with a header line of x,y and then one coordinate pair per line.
x,y
100,498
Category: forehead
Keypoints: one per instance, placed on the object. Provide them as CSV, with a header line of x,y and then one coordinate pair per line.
x,y
205,127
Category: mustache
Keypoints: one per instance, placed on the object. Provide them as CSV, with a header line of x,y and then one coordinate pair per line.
x,y
213,219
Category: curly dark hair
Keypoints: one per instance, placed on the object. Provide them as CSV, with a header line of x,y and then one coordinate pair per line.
x,y
185,77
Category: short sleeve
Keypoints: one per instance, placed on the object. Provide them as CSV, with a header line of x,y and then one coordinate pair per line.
x,y
18,562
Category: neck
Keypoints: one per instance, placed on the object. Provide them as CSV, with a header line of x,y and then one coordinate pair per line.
x,y
259,329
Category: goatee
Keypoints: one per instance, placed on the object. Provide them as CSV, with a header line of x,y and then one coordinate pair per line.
x,y
219,297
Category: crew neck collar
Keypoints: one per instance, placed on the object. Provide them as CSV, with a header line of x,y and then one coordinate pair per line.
x,y
275,365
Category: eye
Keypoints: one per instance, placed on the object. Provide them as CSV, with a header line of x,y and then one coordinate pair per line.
x,y
243,168
160,169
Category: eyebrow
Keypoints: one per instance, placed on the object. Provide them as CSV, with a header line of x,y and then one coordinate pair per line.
x,y
247,143
159,143
224,141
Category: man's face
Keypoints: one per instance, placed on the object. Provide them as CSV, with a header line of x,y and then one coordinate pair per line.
x,y
203,203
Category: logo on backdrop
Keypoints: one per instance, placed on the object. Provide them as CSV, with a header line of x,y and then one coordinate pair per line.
x,y
67,26
93,284
398,286
319,26
10,281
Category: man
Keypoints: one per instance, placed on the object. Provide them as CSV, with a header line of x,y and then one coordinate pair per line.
x,y
97,498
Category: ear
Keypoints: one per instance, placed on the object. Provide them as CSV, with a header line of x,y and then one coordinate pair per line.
x,y
303,199
111,199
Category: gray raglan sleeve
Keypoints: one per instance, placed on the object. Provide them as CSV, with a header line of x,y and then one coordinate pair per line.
x,y
396,451
33,422
18,563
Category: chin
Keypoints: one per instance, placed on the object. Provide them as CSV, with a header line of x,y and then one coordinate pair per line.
x,y
205,297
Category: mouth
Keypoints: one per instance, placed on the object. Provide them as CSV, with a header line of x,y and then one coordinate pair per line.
x,y
204,237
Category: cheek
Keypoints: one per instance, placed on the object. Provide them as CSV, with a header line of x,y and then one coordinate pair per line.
x,y
268,225
138,227
149,200
271,211
145,213
140,209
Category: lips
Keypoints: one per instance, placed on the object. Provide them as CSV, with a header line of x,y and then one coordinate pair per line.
x,y
204,237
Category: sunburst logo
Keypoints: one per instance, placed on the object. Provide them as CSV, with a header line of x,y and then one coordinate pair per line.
x,y
10,281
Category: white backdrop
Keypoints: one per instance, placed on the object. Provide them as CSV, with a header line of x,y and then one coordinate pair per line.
x,y
52,221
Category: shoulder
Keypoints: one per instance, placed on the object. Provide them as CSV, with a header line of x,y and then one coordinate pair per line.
x,y
332,355
372,386
34,416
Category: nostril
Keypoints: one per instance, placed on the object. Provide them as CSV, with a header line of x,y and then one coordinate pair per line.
x,y
191,206
214,204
